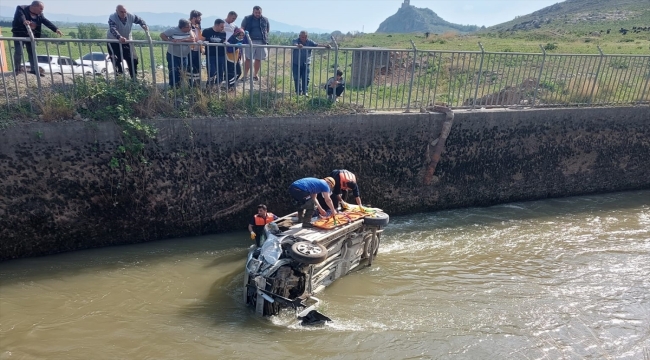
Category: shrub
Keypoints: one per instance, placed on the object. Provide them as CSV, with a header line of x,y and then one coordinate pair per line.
x,y
550,46
619,64
56,106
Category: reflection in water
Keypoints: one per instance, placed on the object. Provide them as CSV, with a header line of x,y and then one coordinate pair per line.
x,y
565,278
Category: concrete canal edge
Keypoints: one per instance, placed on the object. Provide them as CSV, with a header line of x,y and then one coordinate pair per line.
x,y
69,186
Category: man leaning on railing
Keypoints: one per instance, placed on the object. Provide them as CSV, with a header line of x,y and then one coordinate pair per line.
x,y
177,54
32,16
301,60
119,27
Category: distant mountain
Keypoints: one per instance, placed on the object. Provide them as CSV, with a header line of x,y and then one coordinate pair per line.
x,y
158,19
410,19
592,13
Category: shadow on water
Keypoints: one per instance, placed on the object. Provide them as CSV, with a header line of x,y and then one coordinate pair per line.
x,y
224,304
116,257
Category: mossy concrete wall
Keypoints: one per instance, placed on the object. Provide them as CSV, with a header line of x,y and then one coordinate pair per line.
x,y
59,192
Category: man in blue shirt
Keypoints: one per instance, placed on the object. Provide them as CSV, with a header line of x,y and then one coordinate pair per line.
x,y
304,192
300,61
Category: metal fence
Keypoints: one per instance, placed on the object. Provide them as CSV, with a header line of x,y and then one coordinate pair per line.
x,y
376,79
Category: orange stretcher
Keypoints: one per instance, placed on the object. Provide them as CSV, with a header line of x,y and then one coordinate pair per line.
x,y
342,218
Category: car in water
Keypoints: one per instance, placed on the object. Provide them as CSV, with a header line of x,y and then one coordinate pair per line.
x,y
101,62
294,263
52,64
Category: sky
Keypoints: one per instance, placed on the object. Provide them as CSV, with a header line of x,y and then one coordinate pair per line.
x,y
343,15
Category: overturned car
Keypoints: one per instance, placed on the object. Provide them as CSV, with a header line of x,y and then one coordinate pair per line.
x,y
294,263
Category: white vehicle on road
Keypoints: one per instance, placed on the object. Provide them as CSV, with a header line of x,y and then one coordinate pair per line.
x,y
52,64
101,62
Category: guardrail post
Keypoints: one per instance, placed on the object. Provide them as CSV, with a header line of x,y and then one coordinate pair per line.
x,y
647,81
36,70
539,77
251,66
336,57
480,72
408,103
152,59
602,55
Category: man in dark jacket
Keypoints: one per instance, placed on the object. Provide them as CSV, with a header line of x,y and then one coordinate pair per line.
x,y
258,28
32,16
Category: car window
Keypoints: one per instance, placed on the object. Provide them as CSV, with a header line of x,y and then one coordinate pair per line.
x,y
43,59
99,57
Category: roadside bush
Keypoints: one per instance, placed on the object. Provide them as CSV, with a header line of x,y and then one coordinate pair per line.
x,y
550,46
55,106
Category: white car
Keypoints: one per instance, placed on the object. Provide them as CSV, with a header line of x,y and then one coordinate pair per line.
x,y
101,61
52,64
296,263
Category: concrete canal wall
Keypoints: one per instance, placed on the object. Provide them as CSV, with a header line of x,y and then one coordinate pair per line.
x,y
68,186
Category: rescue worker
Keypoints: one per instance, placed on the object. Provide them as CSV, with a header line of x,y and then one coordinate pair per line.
x,y
304,192
257,223
344,180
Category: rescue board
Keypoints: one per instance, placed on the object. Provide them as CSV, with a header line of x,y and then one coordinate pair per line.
x,y
352,214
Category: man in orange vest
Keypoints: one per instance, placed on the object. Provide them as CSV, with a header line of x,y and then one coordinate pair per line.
x,y
257,223
344,180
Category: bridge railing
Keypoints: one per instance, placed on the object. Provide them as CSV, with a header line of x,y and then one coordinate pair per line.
x,y
375,78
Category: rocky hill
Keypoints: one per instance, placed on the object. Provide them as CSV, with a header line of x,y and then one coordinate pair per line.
x,y
410,19
582,13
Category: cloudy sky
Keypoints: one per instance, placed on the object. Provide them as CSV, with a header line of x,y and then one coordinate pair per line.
x,y
343,15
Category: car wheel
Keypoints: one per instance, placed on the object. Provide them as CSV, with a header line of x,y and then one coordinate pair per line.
x,y
104,71
376,245
378,219
308,253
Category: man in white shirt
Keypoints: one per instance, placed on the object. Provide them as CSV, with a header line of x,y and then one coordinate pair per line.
x,y
230,26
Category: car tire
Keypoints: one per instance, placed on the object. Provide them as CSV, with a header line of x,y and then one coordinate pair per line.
x,y
308,253
379,219
374,254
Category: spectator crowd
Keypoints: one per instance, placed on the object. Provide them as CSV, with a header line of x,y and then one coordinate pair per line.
x,y
188,43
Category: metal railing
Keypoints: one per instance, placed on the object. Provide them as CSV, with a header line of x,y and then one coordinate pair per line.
x,y
376,78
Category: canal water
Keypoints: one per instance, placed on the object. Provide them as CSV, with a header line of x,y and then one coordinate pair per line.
x,y
554,279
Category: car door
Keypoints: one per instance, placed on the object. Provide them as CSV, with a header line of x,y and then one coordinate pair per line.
x,y
65,65
46,63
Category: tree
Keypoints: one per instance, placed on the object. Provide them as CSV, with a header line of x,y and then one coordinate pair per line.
x,y
139,35
88,31
72,34
46,33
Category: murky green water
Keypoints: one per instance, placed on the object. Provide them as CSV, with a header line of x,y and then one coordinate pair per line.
x,y
566,278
